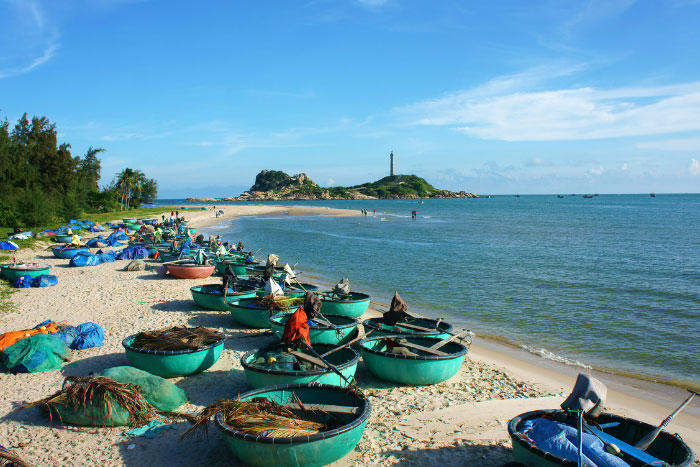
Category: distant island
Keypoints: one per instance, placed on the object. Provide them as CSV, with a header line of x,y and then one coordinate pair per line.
x,y
275,185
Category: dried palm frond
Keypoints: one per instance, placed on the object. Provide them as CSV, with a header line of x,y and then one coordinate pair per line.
x,y
279,303
103,393
177,338
9,458
259,417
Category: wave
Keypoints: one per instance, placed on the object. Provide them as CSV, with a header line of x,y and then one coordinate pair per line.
x,y
549,355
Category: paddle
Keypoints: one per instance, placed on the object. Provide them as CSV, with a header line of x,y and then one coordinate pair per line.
x,y
323,407
644,443
449,339
335,370
360,335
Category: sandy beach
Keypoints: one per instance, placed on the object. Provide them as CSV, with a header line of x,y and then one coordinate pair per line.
x,y
462,421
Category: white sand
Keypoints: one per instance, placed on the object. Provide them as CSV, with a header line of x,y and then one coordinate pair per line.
x,y
461,421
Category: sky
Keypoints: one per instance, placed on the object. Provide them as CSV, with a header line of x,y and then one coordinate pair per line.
x,y
501,97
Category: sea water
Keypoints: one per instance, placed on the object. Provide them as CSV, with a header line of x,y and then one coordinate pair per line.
x,y
610,282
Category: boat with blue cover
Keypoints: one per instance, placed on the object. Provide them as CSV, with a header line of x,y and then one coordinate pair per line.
x,y
666,450
172,363
288,369
12,271
424,327
249,311
418,364
67,252
211,296
309,450
341,331
63,238
353,304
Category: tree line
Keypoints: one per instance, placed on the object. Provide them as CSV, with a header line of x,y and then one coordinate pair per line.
x,y
42,183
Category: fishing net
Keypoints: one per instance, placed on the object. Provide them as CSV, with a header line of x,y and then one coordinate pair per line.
x,y
279,303
159,392
177,338
10,459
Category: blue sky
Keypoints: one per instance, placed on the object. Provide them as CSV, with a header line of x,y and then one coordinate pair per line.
x,y
489,97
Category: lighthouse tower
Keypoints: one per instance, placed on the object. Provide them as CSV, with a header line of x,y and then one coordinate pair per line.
x,y
391,163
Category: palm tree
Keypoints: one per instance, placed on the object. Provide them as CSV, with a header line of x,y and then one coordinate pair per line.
x,y
125,182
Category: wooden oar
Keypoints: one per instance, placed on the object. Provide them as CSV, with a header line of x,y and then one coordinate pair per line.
x,y
437,345
421,348
308,358
360,335
644,443
335,370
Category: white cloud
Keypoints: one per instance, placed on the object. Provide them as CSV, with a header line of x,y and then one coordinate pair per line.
x,y
625,167
683,144
694,167
331,182
507,109
597,171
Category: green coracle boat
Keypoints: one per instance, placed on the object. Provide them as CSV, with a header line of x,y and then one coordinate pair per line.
x,y
418,370
249,312
667,450
380,329
172,363
310,450
129,220
345,360
352,305
63,238
12,271
321,333
211,296
237,266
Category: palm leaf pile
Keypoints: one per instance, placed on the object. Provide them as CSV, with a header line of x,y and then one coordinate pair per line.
x,y
177,338
279,303
80,392
260,417
10,459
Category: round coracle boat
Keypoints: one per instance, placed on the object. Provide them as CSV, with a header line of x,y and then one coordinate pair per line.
x,y
352,305
422,327
211,296
249,312
273,365
411,360
67,252
190,270
172,363
349,409
12,271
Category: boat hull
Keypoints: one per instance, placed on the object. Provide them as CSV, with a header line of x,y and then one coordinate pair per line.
x,y
322,334
11,273
172,363
244,312
66,253
309,451
190,271
205,296
354,307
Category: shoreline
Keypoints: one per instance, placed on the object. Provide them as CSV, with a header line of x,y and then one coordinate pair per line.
x,y
462,420
635,395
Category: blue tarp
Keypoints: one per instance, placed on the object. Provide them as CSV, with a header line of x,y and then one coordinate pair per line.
x,y
95,228
562,440
133,252
92,243
7,245
45,280
88,335
84,259
107,257
23,281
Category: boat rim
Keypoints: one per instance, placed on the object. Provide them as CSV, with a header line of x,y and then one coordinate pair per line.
x,y
323,298
128,346
449,356
194,287
409,332
354,322
359,420
318,371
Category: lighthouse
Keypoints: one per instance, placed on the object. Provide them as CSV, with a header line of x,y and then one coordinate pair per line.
x,y
391,164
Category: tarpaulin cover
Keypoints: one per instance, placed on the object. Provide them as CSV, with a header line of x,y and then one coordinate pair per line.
x,y
67,335
96,228
159,392
562,440
8,245
24,281
396,311
92,243
40,352
88,335
133,252
45,280
84,259
108,257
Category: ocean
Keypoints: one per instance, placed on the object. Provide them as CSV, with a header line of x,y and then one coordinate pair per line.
x,y
611,282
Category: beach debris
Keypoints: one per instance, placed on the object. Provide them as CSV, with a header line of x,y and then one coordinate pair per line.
x,y
177,338
342,288
261,417
11,459
149,431
136,265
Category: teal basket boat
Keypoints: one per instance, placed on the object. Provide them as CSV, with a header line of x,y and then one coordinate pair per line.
x,y
431,328
129,220
345,360
237,267
172,363
12,271
63,238
249,312
310,450
211,296
417,370
667,449
67,252
92,415
300,289
321,333
352,305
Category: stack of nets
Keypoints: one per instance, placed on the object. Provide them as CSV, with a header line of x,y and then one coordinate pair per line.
x,y
10,459
260,417
85,392
279,303
177,338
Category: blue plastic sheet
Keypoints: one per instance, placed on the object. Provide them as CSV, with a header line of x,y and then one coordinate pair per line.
x,y
23,281
84,259
45,280
149,430
88,335
133,252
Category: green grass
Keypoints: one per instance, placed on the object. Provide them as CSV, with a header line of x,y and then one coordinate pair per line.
x,y
6,290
